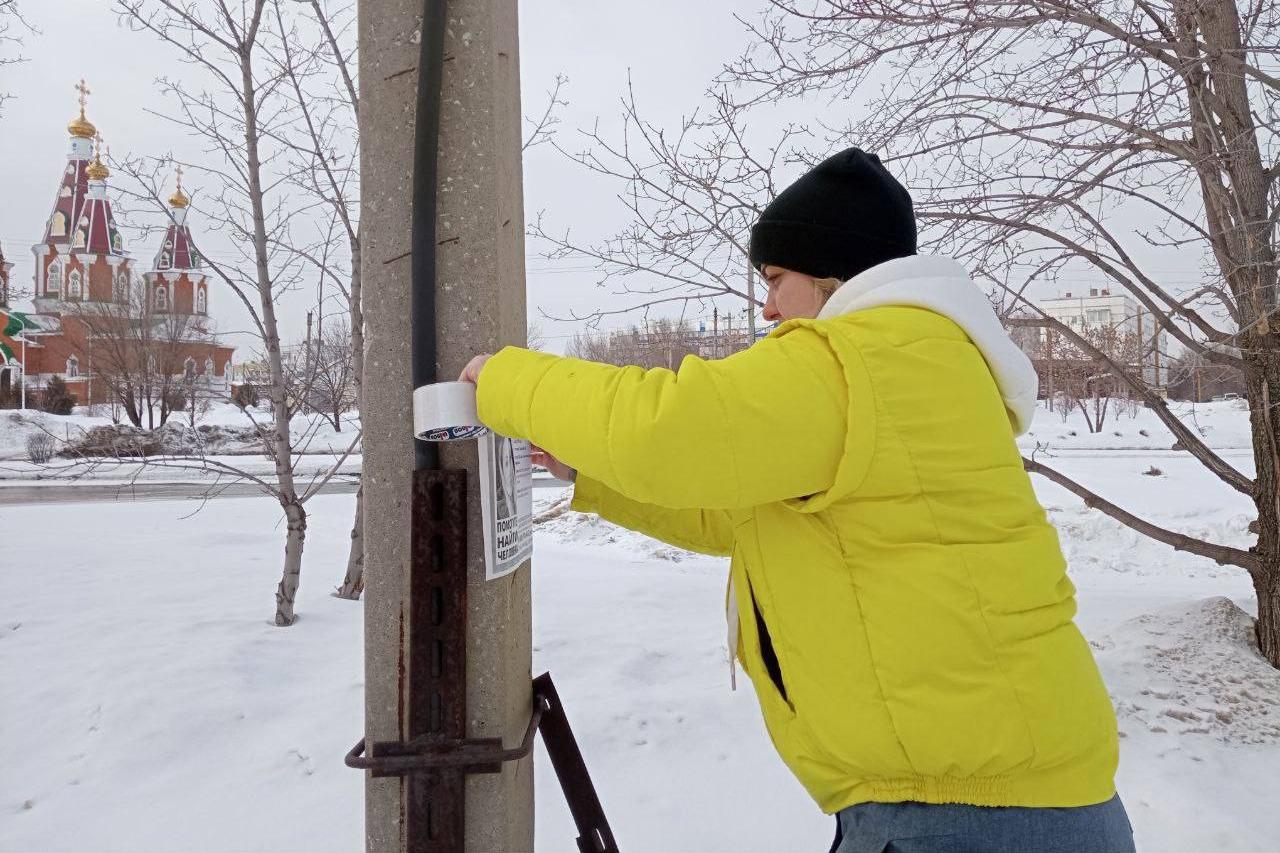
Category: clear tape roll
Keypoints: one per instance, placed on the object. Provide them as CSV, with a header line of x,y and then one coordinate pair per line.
x,y
446,411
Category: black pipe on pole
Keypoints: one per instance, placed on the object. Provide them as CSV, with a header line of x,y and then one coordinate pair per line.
x,y
422,236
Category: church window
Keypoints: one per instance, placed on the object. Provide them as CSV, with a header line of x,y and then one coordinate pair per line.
x,y
74,288
121,292
208,367
162,298
116,242
58,227
79,240
53,285
73,367
189,368
164,260
65,192
200,302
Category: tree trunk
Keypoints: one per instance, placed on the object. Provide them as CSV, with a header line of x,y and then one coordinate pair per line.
x,y
1262,375
281,441
353,582
289,580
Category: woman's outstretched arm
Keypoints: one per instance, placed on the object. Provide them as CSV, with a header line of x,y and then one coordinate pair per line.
x,y
707,531
763,425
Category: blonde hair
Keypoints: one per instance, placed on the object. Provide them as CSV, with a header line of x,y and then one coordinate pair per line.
x,y
827,286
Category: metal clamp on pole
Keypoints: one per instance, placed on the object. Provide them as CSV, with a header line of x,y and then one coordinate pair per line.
x,y
487,755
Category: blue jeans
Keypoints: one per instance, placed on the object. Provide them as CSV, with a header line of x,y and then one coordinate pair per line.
x,y
912,827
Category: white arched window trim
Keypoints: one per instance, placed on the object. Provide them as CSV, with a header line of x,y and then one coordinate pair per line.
x,y
73,367
121,292
208,367
75,285
162,298
164,260
53,281
201,305
58,227
189,368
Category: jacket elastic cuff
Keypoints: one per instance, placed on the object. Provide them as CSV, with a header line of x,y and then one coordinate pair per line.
x,y
586,495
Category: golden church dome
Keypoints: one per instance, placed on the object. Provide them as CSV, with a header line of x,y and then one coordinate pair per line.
x,y
179,198
97,170
80,126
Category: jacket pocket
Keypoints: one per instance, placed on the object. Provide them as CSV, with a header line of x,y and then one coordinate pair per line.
x,y
758,651
768,656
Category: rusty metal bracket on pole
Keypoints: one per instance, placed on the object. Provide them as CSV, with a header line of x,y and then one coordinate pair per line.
x,y
437,755
487,755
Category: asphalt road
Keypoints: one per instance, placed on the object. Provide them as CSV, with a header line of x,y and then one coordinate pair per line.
x,y
15,495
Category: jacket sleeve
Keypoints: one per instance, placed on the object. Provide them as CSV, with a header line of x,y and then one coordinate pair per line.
x,y
763,425
707,531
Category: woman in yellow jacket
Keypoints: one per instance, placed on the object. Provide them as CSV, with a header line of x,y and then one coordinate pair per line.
x,y
896,594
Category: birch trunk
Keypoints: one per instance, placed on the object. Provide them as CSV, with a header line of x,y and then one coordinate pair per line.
x,y
280,440
295,538
353,581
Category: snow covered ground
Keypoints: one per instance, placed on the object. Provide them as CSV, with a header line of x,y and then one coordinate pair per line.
x,y
311,433
149,705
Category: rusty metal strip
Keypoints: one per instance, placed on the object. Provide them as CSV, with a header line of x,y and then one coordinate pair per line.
x,y
437,665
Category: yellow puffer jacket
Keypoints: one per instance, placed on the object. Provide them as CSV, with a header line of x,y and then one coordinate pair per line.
x,y
906,615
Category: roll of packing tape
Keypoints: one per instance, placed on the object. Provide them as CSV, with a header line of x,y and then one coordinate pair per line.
x,y
446,411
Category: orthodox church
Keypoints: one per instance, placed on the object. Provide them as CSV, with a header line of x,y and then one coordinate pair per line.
x,y
81,263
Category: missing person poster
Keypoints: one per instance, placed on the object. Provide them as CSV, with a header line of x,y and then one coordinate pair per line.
x,y
506,499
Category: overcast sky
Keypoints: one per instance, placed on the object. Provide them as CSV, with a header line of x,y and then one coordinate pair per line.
x,y
672,49
593,43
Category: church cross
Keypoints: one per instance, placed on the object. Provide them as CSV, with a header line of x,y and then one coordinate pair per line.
x,y
84,95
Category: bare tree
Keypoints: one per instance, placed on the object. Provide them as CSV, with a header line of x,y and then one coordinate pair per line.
x,y
322,375
543,128
691,197
12,29
661,343
1193,377
1030,134
318,62
138,353
240,110
1073,380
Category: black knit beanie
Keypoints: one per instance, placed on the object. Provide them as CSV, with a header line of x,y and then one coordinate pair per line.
x,y
845,215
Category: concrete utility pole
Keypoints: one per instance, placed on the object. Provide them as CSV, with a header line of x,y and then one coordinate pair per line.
x,y
481,307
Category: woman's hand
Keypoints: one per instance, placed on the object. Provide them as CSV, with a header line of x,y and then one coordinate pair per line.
x,y
471,373
557,468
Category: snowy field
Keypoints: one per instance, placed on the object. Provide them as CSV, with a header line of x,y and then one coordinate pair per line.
x,y
150,706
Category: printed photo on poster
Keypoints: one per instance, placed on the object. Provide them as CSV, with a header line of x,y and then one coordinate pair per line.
x,y
506,494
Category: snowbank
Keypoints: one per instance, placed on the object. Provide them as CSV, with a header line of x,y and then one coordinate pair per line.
x,y
1223,425
1193,669
311,433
